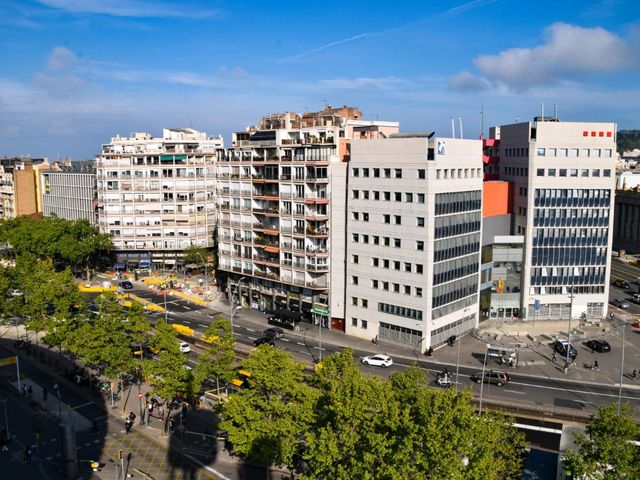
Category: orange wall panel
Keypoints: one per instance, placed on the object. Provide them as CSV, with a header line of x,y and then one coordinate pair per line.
x,y
496,198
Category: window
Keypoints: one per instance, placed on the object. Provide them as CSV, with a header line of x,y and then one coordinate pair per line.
x,y
387,173
573,152
376,195
355,216
396,288
563,172
562,152
397,219
595,172
551,152
365,172
354,301
398,173
397,243
407,290
397,196
422,173
551,172
354,258
407,267
365,194
375,261
365,238
356,194
540,152
376,173
385,263
408,197
584,152
386,218
420,222
387,241
419,268
396,265
606,153
387,196
419,245
356,172
374,284
356,237
573,172
540,172
418,292
365,217
376,240
354,280
363,324
584,172
385,286
606,172
595,152
421,198
364,303
354,322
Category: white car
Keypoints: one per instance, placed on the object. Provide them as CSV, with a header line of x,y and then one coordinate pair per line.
x,y
635,298
378,360
185,347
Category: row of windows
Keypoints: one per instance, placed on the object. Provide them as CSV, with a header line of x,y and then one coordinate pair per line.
x,y
516,171
452,269
569,233
571,241
572,172
450,292
386,172
453,307
516,152
399,311
569,280
593,289
387,196
446,173
396,288
363,323
568,256
556,197
456,247
391,264
456,202
457,225
570,222
574,152
571,213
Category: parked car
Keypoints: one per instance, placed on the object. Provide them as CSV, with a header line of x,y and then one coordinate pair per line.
x,y
126,285
622,284
378,360
620,303
635,298
264,341
601,346
273,332
560,346
185,347
494,377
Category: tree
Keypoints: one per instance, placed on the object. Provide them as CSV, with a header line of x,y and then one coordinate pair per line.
x,y
217,360
200,256
606,451
267,421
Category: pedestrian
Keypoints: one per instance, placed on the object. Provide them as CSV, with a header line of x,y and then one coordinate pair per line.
x,y
27,454
566,368
554,357
45,392
94,426
634,375
595,365
172,425
430,352
23,390
30,392
128,424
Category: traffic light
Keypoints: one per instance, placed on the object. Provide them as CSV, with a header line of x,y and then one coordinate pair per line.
x,y
120,454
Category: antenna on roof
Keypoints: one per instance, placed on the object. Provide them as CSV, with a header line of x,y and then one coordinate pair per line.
x,y
460,123
542,112
481,119
555,112
453,128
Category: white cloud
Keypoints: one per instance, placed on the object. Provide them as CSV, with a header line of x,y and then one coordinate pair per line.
x,y
379,83
61,59
132,8
466,81
60,85
568,51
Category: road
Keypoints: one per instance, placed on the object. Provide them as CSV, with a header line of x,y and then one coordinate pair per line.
x,y
630,273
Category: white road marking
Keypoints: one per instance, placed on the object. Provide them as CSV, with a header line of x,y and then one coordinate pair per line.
x,y
300,343
250,329
202,325
83,405
187,322
252,338
514,391
285,340
615,395
186,308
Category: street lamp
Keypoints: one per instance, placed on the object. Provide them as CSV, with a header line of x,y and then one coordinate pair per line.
x,y
484,364
569,331
235,307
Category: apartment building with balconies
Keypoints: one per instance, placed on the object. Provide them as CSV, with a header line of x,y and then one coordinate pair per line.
x,y
277,208
20,186
413,239
156,195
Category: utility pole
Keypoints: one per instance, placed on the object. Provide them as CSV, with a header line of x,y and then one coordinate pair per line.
x,y
569,331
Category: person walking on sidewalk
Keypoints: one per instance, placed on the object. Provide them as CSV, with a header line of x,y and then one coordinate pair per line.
x,y
634,375
554,358
128,423
45,392
27,454
595,365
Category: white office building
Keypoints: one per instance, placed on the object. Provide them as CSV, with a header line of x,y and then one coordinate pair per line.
x,y
414,211
563,176
156,196
70,193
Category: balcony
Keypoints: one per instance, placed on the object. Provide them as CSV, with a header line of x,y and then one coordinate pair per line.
x,y
318,267
317,232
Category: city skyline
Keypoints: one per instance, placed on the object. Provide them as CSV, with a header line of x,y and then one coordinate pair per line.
x,y
79,72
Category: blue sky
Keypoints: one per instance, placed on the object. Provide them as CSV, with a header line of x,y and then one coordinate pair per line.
x,y
73,73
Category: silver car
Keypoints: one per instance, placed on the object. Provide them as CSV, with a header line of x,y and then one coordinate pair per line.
x,y
620,303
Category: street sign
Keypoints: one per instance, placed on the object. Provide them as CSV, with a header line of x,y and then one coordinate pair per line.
x,y
536,304
140,395
321,309
8,361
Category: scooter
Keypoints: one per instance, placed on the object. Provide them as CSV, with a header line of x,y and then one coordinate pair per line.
x,y
591,366
444,380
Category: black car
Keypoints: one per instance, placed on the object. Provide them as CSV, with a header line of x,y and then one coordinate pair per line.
x,y
264,341
126,285
622,284
601,346
273,332
560,346
494,377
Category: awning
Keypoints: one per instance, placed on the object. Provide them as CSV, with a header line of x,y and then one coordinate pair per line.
x,y
263,135
272,249
120,266
145,262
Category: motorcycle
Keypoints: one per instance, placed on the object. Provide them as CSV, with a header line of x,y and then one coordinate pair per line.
x,y
591,366
444,380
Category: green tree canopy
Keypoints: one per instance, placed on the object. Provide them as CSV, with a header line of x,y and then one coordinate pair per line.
x,y
218,358
606,451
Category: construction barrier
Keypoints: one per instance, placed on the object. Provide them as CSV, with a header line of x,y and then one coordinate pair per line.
x,y
183,330
190,298
95,289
